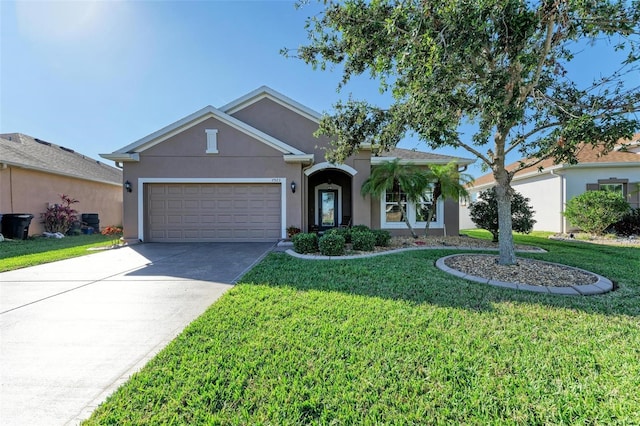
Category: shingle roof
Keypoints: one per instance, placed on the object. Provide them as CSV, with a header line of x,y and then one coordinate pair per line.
x,y
413,155
587,154
24,151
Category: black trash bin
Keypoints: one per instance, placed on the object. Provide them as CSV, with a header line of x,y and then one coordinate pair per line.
x,y
91,220
16,225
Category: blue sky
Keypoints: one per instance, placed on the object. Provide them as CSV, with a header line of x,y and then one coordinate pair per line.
x,y
96,76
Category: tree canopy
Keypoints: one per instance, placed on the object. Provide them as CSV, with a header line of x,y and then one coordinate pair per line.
x,y
500,66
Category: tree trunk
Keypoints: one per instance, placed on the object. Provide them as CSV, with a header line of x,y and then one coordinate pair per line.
x,y
437,191
505,226
406,220
429,217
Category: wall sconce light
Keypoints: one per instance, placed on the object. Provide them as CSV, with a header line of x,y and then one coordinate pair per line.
x,y
293,187
127,186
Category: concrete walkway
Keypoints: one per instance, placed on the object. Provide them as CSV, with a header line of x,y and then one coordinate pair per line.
x,y
72,331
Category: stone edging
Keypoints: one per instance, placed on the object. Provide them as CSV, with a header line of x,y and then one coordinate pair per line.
x,y
603,285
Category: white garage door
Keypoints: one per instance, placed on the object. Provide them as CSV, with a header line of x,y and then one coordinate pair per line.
x,y
213,212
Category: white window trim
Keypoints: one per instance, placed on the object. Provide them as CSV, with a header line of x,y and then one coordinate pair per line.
x,y
411,213
212,141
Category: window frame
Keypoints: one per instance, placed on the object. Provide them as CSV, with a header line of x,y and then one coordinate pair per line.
x,y
410,208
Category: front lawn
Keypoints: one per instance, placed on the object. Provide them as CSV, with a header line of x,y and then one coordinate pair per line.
x,y
393,340
15,254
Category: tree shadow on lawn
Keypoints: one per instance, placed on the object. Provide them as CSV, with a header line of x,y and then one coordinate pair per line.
x,y
412,276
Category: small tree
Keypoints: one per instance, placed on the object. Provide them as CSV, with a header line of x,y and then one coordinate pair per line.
x,y
59,217
594,211
400,178
448,183
484,212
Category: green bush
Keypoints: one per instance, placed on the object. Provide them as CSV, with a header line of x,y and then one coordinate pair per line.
x,y
594,211
629,224
305,243
331,244
360,228
484,213
383,237
345,232
363,240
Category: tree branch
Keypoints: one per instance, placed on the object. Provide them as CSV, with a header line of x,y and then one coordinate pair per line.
x,y
526,90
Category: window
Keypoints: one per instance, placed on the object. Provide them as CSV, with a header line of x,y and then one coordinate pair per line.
x,y
618,188
417,212
212,141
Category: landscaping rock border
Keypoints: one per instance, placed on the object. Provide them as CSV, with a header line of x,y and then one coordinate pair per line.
x,y
576,281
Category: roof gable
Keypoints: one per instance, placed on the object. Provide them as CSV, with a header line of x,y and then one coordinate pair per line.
x,y
267,92
128,152
23,151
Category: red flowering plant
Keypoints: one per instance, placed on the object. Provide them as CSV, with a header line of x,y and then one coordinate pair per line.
x,y
115,232
59,217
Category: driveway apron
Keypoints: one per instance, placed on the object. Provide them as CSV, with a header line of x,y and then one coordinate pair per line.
x,y
72,331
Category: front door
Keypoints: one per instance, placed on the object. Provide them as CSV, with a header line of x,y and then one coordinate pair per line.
x,y
328,208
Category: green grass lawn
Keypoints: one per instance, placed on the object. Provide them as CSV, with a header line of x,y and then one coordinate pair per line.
x,y
15,254
393,340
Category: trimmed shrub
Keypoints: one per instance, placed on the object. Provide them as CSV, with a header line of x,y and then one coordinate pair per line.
x,y
383,237
345,232
484,213
363,240
360,228
305,243
594,211
629,224
331,244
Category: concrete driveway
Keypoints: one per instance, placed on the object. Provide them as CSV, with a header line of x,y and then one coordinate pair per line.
x,y
72,331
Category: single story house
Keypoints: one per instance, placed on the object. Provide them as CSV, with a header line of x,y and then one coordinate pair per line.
x,y
249,170
33,174
551,188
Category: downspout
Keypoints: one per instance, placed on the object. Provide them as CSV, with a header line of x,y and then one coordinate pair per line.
x,y
11,188
305,197
563,199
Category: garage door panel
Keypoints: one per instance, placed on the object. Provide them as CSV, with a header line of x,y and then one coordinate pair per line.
x,y
214,212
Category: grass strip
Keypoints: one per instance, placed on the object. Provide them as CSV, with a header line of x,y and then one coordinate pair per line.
x,y
15,254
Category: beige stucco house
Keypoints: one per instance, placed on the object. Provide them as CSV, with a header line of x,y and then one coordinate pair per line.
x,y
549,189
249,170
34,172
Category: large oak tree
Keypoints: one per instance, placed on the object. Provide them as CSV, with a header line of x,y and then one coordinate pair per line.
x,y
499,67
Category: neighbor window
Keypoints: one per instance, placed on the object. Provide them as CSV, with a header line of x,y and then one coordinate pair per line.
x,y
618,188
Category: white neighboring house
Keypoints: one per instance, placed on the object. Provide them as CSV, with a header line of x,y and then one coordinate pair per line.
x,y
550,188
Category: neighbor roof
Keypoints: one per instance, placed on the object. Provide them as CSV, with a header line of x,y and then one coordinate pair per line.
x,y
19,150
588,155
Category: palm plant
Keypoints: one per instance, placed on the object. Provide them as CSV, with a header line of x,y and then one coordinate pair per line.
x,y
394,176
447,182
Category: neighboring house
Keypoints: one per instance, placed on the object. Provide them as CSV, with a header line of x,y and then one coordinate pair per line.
x,y
249,170
551,188
33,173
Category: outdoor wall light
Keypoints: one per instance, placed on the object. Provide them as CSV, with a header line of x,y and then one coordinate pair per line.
x,y
293,187
127,186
